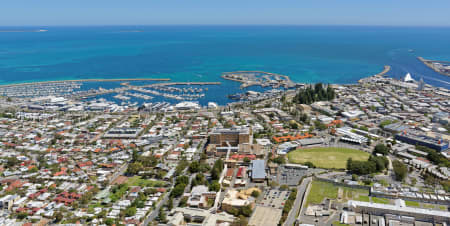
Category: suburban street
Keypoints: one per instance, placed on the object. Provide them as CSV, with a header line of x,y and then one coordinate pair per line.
x,y
155,212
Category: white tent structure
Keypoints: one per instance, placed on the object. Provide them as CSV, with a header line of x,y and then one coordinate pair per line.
x,y
408,78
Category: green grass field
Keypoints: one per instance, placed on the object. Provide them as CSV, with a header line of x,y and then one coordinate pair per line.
x,y
412,203
321,190
337,223
327,157
363,198
380,200
138,181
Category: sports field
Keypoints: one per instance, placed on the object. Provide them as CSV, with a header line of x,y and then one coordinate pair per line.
x,y
327,157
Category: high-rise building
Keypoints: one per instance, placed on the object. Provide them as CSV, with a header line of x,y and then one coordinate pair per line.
x,y
421,85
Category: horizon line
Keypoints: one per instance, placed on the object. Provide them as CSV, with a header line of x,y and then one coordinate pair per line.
x,y
186,25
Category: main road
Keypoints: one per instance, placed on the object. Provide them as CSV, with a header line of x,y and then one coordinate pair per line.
x,y
301,190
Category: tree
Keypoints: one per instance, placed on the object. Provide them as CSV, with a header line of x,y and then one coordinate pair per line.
x,y
199,179
134,168
349,163
380,162
178,190
240,221
246,210
135,155
58,216
284,187
310,95
381,149
130,211
12,161
33,170
214,186
109,221
86,198
400,170
233,211
293,125
162,216
215,173
309,164
22,215
194,167
203,157
182,180
320,126
255,193
279,160
170,204
183,202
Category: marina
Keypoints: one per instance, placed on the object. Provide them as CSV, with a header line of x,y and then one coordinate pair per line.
x,y
121,90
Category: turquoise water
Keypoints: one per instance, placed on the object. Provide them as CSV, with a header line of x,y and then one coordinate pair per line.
x,y
329,54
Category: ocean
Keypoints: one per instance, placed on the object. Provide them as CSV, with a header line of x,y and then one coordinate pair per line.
x,y
308,54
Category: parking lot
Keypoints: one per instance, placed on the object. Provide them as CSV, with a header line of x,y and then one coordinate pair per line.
x,y
274,198
292,175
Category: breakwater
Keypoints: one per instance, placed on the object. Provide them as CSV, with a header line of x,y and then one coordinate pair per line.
x,y
439,66
87,80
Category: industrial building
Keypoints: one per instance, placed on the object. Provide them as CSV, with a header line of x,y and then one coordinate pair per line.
x,y
401,210
422,140
258,171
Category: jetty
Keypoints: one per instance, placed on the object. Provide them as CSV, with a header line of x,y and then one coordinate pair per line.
x,y
439,66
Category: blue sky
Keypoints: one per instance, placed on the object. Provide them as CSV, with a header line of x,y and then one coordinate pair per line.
x,y
302,12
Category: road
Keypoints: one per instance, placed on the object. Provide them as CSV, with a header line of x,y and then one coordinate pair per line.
x,y
155,212
119,172
301,189
164,200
